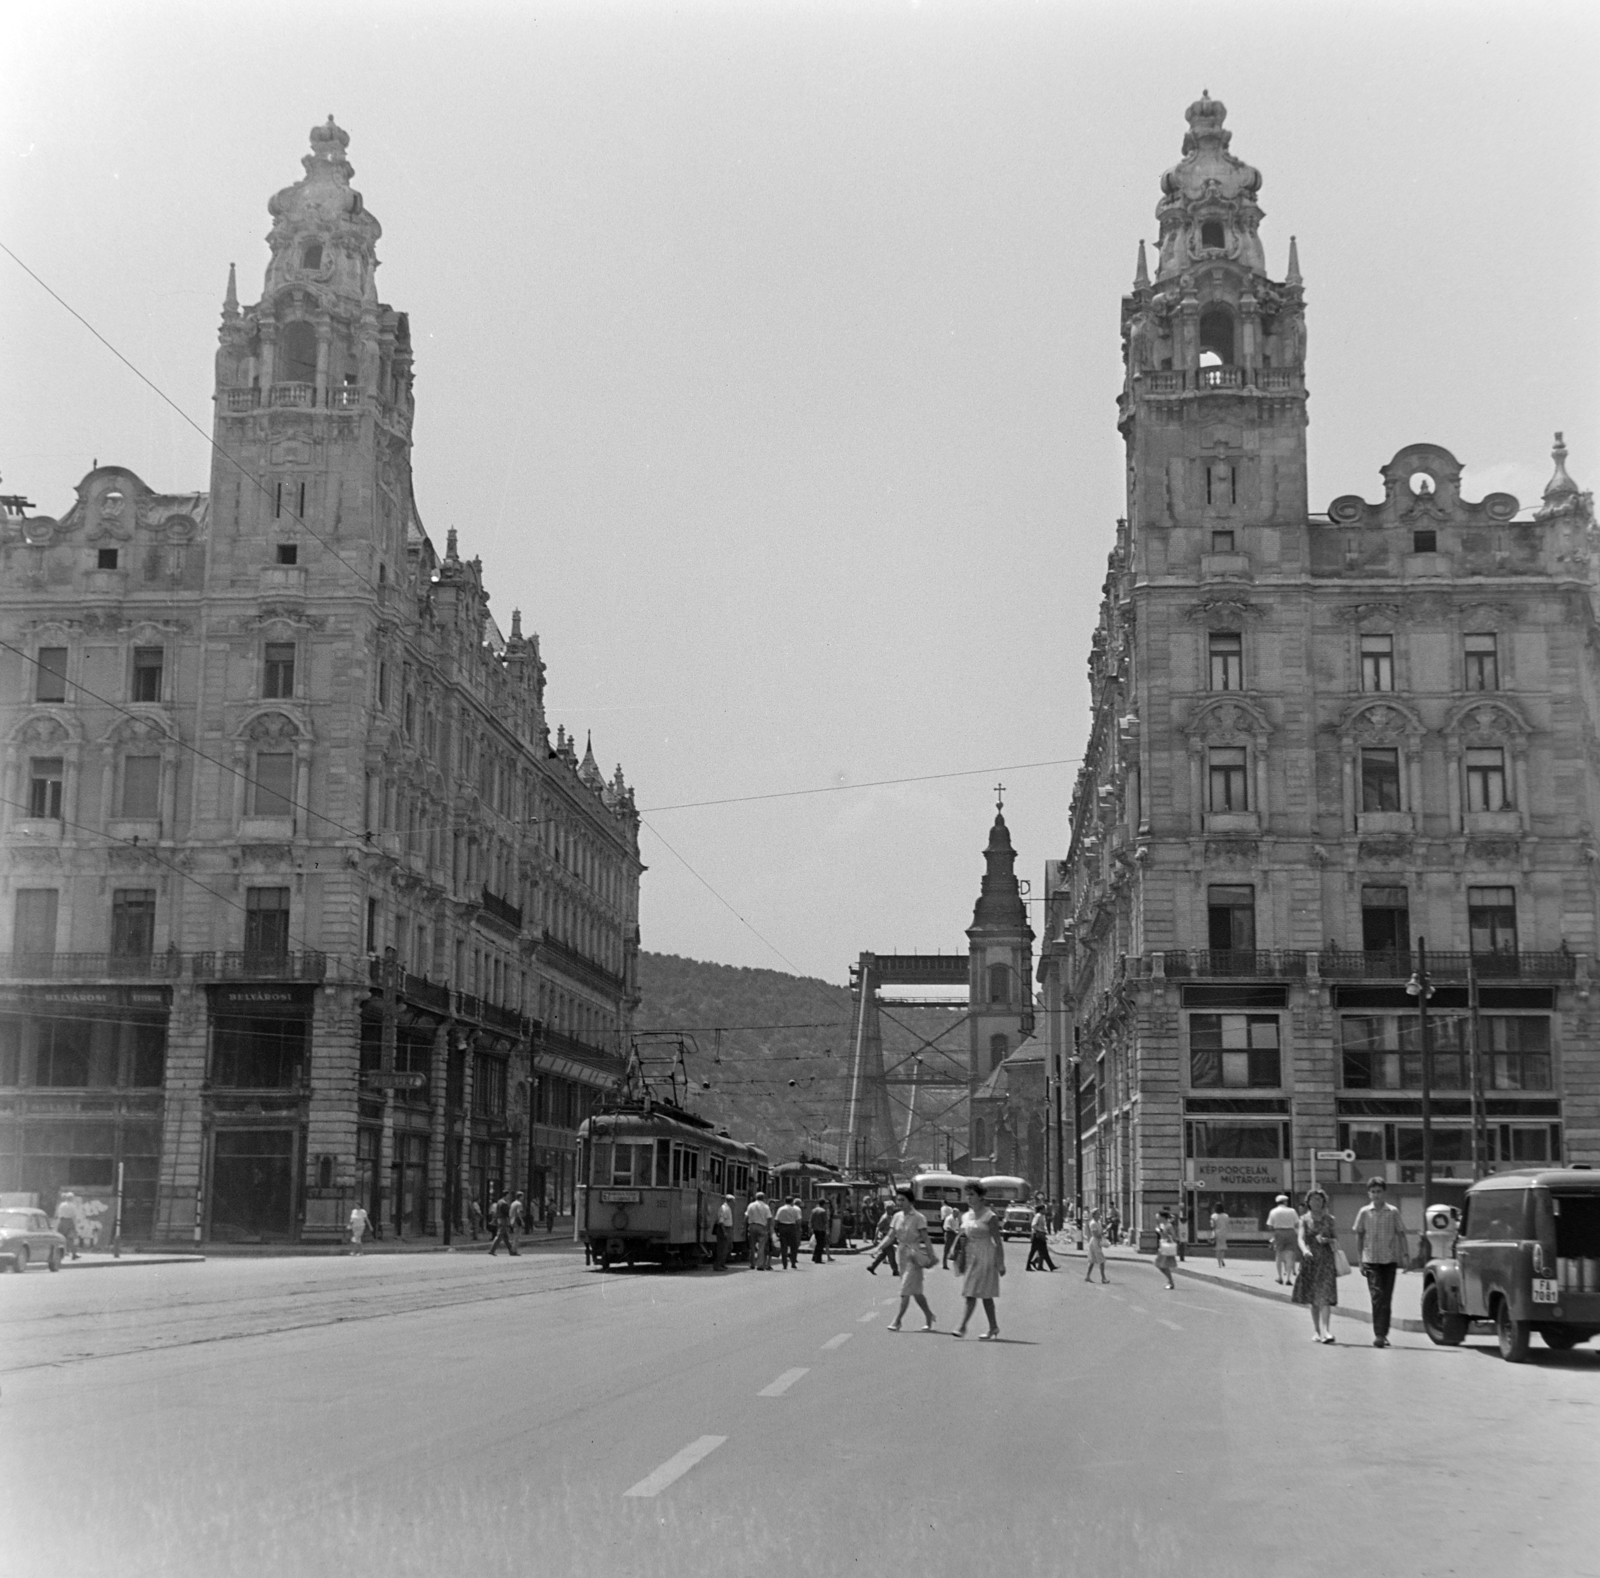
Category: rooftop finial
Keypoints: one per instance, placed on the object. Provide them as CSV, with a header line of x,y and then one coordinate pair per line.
x,y
999,797
1293,276
230,299
516,624
450,553
1141,274
1561,485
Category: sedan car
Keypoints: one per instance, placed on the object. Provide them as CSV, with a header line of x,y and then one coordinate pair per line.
x,y
26,1237
1017,1222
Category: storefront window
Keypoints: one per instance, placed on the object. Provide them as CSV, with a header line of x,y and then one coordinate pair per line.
x,y
260,1037
1241,1140
1384,1051
1516,1052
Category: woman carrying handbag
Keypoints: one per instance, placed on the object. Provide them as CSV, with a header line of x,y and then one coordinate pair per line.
x,y
910,1232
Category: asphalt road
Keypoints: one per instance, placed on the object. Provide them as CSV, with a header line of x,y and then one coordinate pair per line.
x,y
444,1415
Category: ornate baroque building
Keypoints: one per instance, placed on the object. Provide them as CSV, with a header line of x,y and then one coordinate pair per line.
x,y
1317,740
301,905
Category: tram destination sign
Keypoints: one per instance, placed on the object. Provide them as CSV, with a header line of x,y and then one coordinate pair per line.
x,y
619,1197
396,1079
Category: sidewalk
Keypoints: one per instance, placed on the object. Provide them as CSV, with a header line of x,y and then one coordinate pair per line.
x,y
1259,1279
159,1255
96,1259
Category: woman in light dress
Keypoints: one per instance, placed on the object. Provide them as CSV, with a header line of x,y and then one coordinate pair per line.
x,y
910,1230
1317,1281
1094,1235
1166,1247
985,1259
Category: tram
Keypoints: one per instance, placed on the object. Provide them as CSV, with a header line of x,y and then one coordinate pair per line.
x,y
651,1177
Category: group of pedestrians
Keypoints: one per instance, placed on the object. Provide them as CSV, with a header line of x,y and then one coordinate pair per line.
x,y
973,1245
766,1229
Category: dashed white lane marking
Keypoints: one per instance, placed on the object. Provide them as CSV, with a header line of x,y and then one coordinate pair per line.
x,y
1138,1309
836,1342
675,1467
783,1383
1201,1307
1172,1325
861,1320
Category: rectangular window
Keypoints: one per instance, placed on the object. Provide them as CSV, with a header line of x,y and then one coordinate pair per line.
x,y
107,558
1492,919
258,1052
272,788
288,553
147,1063
266,921
1227,660
63,1055
147,666
50,676
45,778
133,923
1222,542
1384,1051
1424,541
1377,662
488,1086
141,788
1483,662
1234,1051
1227,787
1486,780
383,687
631,1164
1516,1052
277,679
1385,920
1240,1141
1231,916
36,922
1380,780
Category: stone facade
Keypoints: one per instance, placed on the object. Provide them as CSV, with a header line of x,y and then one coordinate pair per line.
x,y
1317,741
302,906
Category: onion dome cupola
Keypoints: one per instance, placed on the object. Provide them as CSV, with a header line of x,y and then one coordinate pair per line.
x,y
322,234
1208,206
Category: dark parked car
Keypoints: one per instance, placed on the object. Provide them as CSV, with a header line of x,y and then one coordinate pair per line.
x,y
1527,1260
1017,1222
27,1238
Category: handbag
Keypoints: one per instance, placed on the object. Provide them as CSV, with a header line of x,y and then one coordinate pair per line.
x,y
958,1256
922,1254
1341,1262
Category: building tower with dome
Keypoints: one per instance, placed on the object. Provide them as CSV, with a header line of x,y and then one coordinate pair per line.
x,y
1316,740
302,907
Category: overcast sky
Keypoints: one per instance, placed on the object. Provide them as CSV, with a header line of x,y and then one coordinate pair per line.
x,y
767,353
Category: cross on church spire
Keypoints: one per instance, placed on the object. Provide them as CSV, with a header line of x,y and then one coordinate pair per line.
x,y
999,797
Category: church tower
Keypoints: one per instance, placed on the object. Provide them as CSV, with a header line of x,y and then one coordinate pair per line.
x,y
1213,407
1000,984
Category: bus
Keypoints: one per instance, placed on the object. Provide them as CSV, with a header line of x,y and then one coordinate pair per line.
x,y
931,1191
1005,1189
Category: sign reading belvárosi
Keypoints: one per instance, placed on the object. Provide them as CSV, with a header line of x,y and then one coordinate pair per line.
x,y
1238,1175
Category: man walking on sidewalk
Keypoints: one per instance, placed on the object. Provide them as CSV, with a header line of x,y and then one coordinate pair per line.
x,y
1284,1226
500,1215
1382,1237
1039,1242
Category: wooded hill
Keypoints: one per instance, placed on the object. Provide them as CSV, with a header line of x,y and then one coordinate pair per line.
x,y
768,1055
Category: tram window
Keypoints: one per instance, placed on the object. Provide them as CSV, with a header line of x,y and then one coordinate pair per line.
x,y
631,1165
716,1172
663,1162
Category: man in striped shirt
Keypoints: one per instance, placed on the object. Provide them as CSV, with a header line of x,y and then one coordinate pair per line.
x,y
1384,1251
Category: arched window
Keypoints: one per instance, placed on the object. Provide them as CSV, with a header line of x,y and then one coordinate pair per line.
x,y
298,361
1216,336
311,258
999,1046
1211,233
999,983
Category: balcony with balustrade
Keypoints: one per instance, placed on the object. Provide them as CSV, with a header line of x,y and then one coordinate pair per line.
x,y
1348,964
306,964
85,967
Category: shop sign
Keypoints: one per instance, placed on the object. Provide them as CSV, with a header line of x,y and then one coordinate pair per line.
x,y
80,996
620,1197
1238,1175
249,996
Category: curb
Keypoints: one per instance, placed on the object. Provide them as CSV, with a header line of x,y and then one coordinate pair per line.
x,y
1273,1294
131,1260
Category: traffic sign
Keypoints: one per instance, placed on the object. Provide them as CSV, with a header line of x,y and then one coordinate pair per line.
x,y
395,1079
1336,1156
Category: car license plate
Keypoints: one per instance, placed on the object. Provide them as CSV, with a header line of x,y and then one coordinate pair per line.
x,y
1546,1290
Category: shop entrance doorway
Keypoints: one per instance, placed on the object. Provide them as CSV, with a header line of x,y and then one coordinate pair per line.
x,y
252,1185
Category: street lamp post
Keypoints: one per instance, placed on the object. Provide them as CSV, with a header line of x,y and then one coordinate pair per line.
x,y
1421,988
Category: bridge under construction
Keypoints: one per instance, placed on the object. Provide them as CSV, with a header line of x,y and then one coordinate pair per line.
x,y
911,1109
